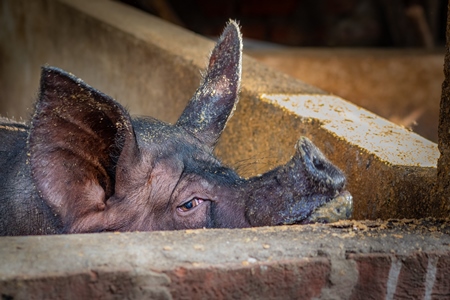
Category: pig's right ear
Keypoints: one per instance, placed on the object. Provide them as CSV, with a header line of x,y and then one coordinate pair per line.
x,y
213,103
81,144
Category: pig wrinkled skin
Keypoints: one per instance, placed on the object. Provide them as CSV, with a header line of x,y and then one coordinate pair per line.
x,y
84,165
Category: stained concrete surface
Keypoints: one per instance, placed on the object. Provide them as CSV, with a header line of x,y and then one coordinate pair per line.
x,y
377,153
134,265
194,248
402,85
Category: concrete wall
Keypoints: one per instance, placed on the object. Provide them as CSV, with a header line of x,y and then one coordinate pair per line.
x,y
403,86
346,260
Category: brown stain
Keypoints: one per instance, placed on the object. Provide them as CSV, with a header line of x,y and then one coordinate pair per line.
x,y
396,228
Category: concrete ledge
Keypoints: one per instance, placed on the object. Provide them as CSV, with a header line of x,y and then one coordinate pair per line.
x,y
402,85
350,260
376,154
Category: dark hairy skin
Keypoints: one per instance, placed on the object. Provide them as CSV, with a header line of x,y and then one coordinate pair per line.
x,y
83,164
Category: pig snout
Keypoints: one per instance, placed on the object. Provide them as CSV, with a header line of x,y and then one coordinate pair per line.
x,y
308,188
324,176
339,208
327,179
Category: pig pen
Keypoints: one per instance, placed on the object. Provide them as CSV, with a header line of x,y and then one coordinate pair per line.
x,y
396,245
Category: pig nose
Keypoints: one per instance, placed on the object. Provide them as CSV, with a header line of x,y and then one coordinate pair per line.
x,y
319,169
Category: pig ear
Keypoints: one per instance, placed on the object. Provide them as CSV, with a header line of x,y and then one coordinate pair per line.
x,y
79,139
213,103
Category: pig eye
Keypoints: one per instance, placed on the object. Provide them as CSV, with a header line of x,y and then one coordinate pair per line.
x,y
189,205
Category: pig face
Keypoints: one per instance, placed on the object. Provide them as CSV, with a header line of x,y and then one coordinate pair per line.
x,y
98,169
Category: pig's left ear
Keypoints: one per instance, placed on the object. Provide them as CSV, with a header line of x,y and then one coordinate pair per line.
x,y
81,144
213,103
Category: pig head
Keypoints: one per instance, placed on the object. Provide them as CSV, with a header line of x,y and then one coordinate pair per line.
x,y
85,165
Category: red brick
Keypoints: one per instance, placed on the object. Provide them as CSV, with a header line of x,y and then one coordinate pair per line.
x,y
373,274
441,287
88,285
411,280
292,279
411,283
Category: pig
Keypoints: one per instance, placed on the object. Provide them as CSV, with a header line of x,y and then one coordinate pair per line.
x,y
84,165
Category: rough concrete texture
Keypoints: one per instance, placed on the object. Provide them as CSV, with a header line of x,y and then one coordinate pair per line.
x,y
153,67
377,151
442,191
401,85
150,66
346,260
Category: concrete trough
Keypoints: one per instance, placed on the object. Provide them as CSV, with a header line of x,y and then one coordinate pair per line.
x,y
153,67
